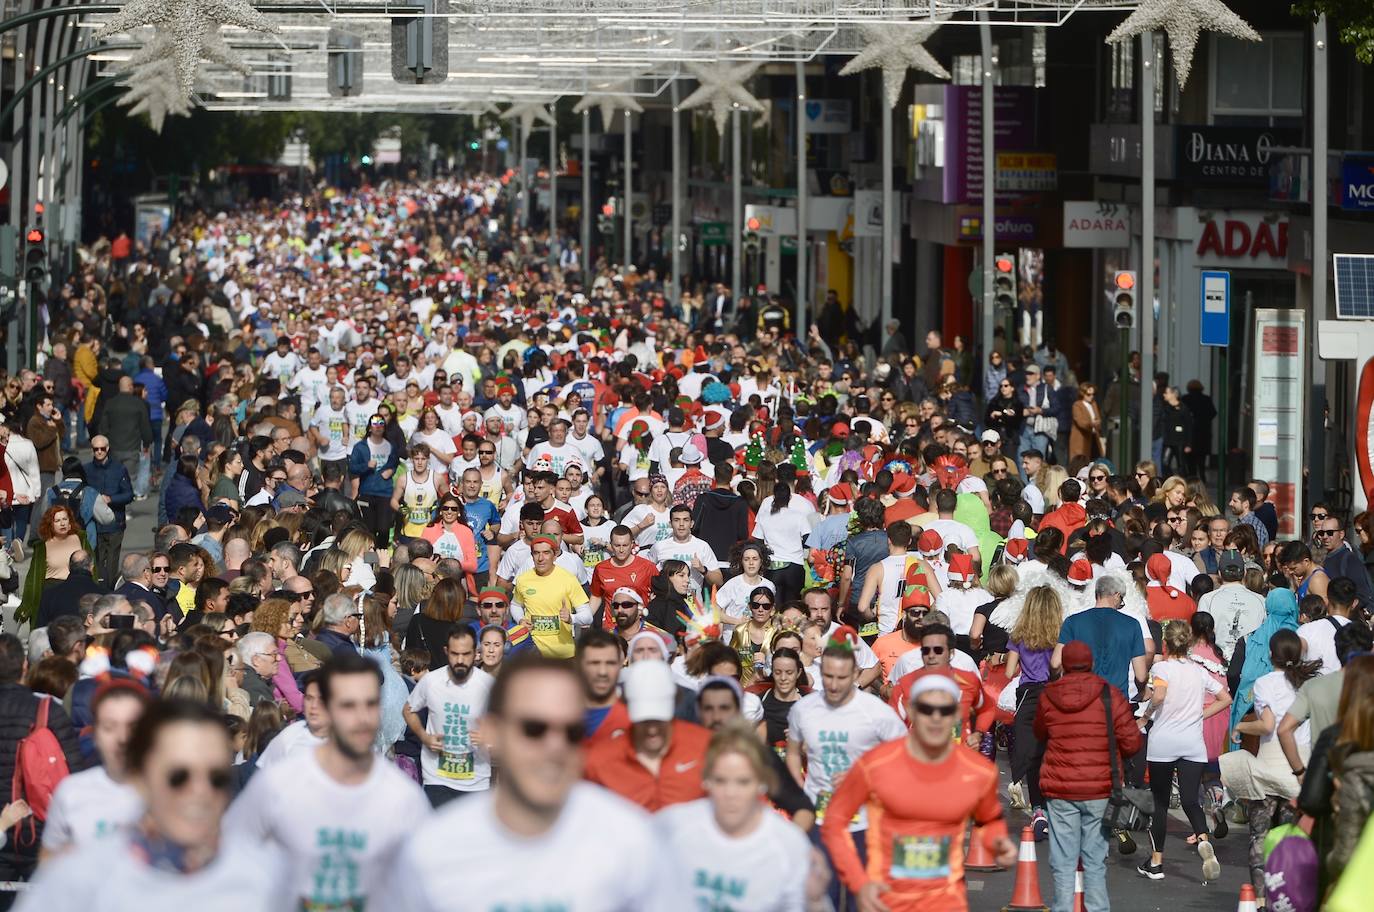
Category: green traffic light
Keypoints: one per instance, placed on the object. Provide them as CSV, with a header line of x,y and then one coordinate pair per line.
x,y
367,159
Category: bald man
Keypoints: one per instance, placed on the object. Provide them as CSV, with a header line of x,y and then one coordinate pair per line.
x,y
124,420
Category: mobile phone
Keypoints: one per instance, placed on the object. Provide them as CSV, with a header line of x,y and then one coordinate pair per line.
x,y
119,621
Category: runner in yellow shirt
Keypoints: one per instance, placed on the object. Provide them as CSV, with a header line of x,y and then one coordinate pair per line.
x,y
550,600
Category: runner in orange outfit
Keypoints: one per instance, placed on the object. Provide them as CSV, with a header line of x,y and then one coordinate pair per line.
x,y
920,792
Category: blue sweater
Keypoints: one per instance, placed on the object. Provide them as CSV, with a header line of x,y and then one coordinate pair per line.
x,y
111,478
370,481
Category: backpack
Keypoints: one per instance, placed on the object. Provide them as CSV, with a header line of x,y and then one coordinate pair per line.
x,y
39,766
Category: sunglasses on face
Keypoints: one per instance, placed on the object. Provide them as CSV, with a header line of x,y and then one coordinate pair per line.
x,y
624,604
998,472
1324,533
925,709
639,493
762,604
162,569
1320,515
99,449
538,730
448,508
486,452
1142,474
933,650
180,777
1097,477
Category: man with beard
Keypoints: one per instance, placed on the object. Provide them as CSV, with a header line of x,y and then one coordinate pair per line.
x,y
627,610
339,812
453,763
600,658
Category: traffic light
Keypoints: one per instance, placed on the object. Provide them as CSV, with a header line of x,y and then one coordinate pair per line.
x,y
474,145
1004,282
1123,299
751,235
605,222
35,258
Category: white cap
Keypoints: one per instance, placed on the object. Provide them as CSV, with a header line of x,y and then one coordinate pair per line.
x,y
650,692
690,455
626,594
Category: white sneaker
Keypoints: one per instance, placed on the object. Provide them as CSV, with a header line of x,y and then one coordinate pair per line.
x,y
1016,792
12,601
1211,868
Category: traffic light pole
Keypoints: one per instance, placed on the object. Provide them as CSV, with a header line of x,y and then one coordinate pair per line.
x,y
1146,299
1123,404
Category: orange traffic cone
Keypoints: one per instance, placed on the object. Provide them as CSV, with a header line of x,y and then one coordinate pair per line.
x,y
1025,897
1247,899
979,858
1078,890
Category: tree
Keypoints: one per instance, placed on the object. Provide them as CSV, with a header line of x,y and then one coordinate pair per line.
x,y
1352,19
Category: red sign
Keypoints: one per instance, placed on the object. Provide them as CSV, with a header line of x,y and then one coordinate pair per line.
x,y
1280,340
1235,239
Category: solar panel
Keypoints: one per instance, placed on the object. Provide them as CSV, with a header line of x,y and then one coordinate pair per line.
x,y
1354,286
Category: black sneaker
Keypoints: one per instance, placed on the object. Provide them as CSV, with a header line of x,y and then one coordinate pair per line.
x,y
1221,829
1154,872
1125,844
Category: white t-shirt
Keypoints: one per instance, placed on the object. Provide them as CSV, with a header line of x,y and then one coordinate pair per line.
x,y
107,876
1274,692
1182,570
863,652
636,463
513,416
763,871
453,713
1177,730
656,531
953,532
911,660
1031,495
88,806
835,737
732,597
281,367
590,449
672,549
359,413
340,840
1236,613
294,738
439,441
313,386
333,427
959,605
797,504
785,532
557,456
565,868
1319,642
450,419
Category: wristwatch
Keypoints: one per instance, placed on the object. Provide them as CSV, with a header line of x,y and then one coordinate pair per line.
x,y
1299,771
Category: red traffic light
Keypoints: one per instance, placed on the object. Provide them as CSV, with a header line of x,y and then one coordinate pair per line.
x,y
753,224
608,209
1125,281
1005,264
35,236
38,208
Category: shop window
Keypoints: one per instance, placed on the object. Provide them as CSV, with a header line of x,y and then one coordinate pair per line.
x,y
1257,79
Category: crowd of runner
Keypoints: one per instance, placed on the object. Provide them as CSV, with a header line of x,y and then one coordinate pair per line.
x,y
477,585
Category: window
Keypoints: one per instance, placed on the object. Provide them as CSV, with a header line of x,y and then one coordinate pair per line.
x,y
1258,79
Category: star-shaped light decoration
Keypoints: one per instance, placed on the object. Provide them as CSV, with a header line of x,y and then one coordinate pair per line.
x,y
1184,20
527,112
895,48
214,50
609,103
722,87
157,93
189,25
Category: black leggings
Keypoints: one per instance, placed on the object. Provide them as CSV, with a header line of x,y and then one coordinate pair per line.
x,y
1189,784
378,517
1027,751
788,581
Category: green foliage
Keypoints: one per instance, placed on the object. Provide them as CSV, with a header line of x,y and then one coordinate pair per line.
x,y
1353,21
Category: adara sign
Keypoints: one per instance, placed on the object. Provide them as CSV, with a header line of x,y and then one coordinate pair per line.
x,y
1257,239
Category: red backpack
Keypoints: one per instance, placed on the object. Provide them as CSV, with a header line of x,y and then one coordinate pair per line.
x,y
39,765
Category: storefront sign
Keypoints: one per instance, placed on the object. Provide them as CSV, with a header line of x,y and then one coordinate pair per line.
x,y
1099,225
1357,184
827,115
1279,421
1013,110
1009,228
1233,156
1116,149
868,213
1245,239
714,234
1027,172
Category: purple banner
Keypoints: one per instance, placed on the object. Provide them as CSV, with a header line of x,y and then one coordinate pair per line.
x,y
1014,131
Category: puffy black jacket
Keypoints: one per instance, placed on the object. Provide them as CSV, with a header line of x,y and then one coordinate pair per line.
x,y
663,608
18,710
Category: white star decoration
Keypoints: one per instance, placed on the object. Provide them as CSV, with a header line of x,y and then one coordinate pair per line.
x,y
609,103
1184,20
188,25
527,112
722,87
215,50
896,48
157,93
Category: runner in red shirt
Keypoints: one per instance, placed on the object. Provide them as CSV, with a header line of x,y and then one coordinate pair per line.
x,y
920,792
624,569
937,647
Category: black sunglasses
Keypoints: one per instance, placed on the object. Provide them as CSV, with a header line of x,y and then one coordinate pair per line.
x,y
1320,515
933,650
538,729
492,604
180,777
762,604
162,569
624,604
926,709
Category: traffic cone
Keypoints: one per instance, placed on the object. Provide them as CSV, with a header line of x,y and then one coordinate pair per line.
x,y
979,858
1078,890
1247,899
1025,897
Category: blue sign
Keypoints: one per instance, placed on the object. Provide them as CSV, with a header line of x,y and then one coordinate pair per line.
x,y
1215,328
502,145
1357,183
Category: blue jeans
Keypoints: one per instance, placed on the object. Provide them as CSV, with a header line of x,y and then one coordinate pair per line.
x,y
1076,834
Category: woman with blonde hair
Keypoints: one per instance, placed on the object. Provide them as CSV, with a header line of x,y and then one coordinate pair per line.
x,y
1147,476
412,588
1051,477
1172,492
354,543
1029,648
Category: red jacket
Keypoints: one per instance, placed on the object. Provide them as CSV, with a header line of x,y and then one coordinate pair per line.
x,y
1067,519
1070,722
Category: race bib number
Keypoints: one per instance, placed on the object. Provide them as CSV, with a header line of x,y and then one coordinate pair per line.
x,y
920,858
869,630
456,766
544,623
418,515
